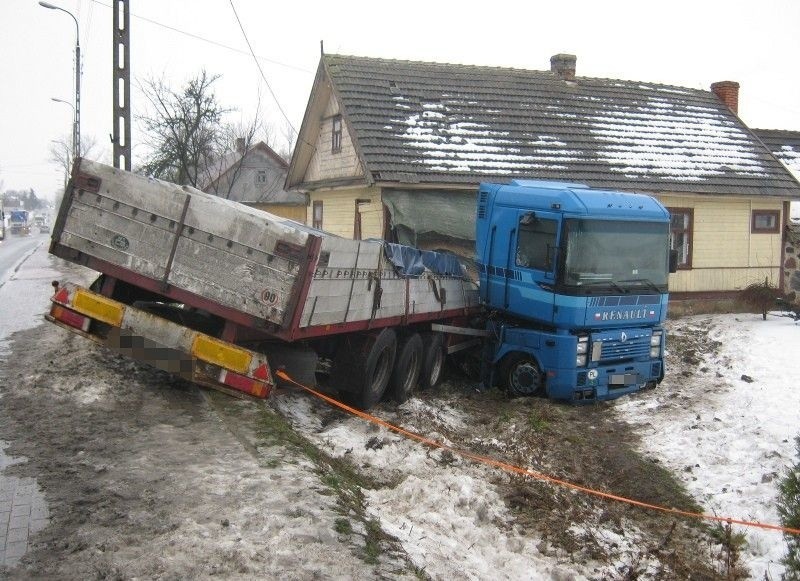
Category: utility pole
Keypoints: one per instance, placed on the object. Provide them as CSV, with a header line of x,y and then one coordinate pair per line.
x,y
76,125
122,75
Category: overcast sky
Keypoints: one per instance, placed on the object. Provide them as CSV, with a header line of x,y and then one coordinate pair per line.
x,y
678,42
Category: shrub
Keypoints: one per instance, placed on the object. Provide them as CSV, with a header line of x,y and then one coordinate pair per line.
x,y
760,296
789,510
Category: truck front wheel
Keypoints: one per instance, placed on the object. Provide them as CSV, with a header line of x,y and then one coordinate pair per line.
x,y
521,375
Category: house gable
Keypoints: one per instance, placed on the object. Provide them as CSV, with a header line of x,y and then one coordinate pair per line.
x,y
316,161
326,164
255,177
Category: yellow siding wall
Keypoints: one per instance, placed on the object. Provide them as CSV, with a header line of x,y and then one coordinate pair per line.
x,y
324,164
339,211
726,256
296,213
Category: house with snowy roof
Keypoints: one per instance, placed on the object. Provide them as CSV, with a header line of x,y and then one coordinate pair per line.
x,y
785,145
254,174
396,149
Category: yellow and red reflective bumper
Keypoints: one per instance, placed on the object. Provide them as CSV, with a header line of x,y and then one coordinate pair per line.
x,y
239,368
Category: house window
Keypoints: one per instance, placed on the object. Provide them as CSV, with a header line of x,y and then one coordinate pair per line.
x,y
261,176
766,222
336,134
680,235
317,215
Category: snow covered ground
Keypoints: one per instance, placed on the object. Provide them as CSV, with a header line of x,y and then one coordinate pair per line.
x,y
726,438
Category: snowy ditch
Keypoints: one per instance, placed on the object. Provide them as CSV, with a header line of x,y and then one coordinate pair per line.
x,y
728,440
728,431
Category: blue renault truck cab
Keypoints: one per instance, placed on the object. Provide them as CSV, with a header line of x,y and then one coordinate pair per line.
x,y
575,280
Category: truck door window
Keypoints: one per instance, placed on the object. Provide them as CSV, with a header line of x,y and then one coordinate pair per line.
x,y
536,242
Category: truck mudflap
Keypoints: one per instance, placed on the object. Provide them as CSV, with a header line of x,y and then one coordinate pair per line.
x,y
161,343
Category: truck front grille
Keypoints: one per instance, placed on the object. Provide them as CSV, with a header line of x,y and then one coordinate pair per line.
x,y
615,350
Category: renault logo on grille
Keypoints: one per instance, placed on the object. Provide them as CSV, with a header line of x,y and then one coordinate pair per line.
x,y
623,337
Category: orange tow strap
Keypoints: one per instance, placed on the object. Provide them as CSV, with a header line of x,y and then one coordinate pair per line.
x,y
531,473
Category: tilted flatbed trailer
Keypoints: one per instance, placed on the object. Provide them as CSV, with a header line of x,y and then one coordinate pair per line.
x,y
222,294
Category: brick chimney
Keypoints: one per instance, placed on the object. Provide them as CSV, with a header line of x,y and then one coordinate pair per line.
x,y
728,93
563,65
240,145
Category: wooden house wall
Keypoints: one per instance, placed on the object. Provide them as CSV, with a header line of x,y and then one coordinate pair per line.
x,y
326,165
292,212
725,254
339,211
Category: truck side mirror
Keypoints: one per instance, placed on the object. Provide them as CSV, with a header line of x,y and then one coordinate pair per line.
x,y
673,261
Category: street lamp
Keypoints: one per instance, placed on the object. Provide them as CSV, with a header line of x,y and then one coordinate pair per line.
x,y
74,128
76,135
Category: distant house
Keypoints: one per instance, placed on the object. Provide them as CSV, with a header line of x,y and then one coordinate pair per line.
x,y
785,145
393,148
255,176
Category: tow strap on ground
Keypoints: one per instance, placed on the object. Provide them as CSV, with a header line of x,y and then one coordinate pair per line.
x,y
532,473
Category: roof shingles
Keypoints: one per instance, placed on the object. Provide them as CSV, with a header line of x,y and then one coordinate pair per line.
x,y
443,123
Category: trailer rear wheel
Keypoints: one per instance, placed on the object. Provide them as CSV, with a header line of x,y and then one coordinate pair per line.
x,y
407,367
362,368
432,360
521,375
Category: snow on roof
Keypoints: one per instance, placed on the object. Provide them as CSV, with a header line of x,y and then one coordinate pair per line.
x,y
443,123
785,145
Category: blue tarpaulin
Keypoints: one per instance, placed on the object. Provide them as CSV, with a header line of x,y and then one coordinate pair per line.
x,y
413,262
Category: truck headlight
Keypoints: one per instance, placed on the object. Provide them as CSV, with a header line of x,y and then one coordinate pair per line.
x,y
581,351
655,344
655,339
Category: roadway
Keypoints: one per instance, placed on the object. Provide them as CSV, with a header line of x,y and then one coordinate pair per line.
x,y
14,250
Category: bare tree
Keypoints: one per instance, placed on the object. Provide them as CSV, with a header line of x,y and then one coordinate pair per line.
x,y
183,128
61,153
290,137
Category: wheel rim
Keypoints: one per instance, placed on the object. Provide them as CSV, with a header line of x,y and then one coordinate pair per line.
x,y
525,378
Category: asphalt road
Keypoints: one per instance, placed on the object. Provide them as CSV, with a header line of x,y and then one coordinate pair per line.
x,y
14,249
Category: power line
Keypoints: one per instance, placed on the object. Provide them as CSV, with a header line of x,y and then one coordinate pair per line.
x,y
209,41
271,92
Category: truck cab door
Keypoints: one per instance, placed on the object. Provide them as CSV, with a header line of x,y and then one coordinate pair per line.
x,y
534,261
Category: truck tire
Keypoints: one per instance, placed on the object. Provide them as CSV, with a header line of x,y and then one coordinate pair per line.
x,y
362,368
521,375
407,367
432,360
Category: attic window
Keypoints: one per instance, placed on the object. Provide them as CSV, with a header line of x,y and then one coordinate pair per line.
x,y
336,134
766,222
261,176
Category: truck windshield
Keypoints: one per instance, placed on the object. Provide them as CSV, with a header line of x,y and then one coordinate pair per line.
x,y
616,255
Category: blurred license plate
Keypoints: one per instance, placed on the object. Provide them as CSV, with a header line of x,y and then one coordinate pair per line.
x,y
623,379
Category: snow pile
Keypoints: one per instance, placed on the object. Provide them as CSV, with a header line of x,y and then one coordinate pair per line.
x,y
727,432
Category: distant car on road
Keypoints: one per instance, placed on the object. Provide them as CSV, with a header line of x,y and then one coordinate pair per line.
x,y
44,229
